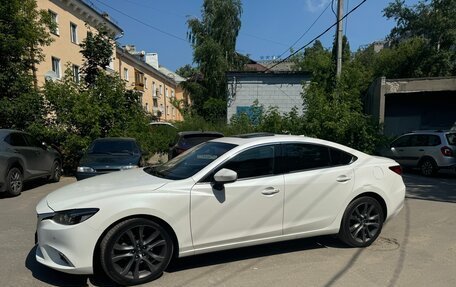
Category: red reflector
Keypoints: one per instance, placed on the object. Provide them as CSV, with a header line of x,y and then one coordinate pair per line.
x,y
397,169
446,151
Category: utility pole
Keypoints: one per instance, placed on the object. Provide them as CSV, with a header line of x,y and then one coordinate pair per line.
x,y
340,5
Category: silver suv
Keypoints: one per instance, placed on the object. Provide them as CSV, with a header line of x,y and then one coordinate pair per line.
x,y
427,150
22,158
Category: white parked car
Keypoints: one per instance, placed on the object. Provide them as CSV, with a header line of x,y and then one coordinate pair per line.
x,y
226,193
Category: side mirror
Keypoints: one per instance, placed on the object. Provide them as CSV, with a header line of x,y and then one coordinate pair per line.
x,y
224,176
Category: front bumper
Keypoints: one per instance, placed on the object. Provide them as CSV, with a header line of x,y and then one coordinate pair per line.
x,y
66,248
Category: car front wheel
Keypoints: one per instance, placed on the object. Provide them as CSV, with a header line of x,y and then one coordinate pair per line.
x,y
135,251
14,182
362,222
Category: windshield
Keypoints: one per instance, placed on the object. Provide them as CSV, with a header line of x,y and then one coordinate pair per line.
x,y
451,137
190,162
114,147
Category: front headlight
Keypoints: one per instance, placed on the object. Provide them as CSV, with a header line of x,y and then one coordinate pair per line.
x,y
128,167
85,169
73,216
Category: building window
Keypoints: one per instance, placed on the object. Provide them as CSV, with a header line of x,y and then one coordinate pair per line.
x,y
172,112
161,91
154,90
56,66
125,74
166,92
54,20
172,93
111,63
74,33
147,107
75,72
167,110
155,102
145,82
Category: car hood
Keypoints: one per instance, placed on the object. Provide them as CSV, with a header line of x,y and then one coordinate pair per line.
x,y
82,193
106,160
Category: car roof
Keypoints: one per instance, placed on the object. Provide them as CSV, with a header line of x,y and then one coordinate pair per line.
x,y
277,138
186,133
115,139
5,132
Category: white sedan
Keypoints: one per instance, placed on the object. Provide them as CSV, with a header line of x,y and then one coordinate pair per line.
x,y
225,193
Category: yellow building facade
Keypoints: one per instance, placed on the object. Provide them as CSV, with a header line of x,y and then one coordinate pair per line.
x,y
160,88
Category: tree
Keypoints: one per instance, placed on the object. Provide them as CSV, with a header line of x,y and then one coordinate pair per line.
x,y
23,31
426,29
214,41
97,50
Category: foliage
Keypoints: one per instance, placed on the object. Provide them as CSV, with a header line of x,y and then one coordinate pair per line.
x,y
97,49
80,115
23,31
214,40
426,31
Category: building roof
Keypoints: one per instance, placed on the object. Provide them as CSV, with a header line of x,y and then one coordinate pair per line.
x,y
92,15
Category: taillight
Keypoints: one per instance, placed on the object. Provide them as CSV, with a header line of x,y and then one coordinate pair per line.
x,y
397,169
446,151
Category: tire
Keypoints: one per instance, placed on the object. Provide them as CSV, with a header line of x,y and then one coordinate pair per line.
x,y
362,222
56,172
428,167
135,251
14,182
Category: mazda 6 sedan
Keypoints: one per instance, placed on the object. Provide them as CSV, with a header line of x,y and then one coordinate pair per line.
x,y
222,194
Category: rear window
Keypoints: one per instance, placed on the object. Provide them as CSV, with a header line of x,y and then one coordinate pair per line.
x,y
451,137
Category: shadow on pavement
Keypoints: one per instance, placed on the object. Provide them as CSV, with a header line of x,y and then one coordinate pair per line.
x,y
28,186
258,251
56,278
441,187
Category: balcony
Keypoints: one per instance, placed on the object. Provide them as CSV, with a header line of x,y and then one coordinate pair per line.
x,y
139,81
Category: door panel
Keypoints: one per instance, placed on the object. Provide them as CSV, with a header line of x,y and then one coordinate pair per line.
x,y
314,197
246,209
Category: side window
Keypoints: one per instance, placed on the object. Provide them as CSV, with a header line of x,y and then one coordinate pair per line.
x,y
254,162
339,157
297,157
419,140
401,142
434,140
31,141
16,139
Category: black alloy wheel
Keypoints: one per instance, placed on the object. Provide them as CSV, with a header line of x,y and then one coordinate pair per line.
x,y
14,182
136,251
362,222
428,167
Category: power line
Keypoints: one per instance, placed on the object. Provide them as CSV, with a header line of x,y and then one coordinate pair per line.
x,y
305,33
321,34
332,8
143,23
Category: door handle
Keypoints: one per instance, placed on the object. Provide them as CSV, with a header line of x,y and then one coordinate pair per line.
x,y
270,191
343,178
421,150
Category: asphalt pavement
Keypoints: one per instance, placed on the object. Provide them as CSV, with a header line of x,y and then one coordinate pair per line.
x,y
416,248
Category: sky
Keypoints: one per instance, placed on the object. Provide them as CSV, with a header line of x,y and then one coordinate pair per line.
x,y
269,27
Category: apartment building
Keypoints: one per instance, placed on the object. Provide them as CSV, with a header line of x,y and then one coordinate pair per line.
x,y
161,92
74,19
160,87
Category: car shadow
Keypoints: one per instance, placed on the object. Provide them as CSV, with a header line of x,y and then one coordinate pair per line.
x,y
28,186
56,278
250,252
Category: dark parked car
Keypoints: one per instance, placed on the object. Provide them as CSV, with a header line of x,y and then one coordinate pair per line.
x,y
23,158
187,140
109,154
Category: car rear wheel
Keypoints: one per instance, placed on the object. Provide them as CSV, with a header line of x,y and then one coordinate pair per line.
x,y
14,182
362,222
56,172
428,167
136,251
